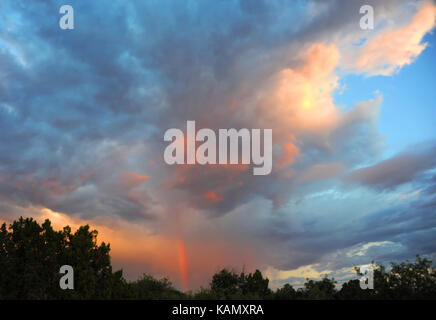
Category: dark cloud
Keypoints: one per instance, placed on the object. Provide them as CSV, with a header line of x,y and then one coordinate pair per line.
x,y
153,67
395,171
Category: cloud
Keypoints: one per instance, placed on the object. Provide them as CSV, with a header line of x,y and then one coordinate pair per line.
x,y
132,179
320,171
390,50
395,171
212,196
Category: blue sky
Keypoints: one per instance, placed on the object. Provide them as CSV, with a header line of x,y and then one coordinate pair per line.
x,y
408,113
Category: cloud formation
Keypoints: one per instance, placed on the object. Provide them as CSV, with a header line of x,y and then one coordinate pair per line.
x,y
397,170
83,113
390,50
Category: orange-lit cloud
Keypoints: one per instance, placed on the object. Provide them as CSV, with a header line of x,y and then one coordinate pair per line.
x,y
132,179
393,49
301,98
211,195
299,102
290,151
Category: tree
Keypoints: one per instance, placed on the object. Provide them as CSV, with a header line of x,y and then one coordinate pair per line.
x,y
413,280
254,286
319,290
351,291
405,280
229,285
32,254
225,285
287,292
149,288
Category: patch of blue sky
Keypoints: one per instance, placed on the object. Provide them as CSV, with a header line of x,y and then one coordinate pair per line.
x,y
408,112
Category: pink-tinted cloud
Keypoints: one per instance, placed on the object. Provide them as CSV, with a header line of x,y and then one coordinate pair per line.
x,y
211,195
392,49
300,99
132,179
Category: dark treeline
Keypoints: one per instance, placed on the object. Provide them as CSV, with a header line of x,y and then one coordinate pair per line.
x,y
31,256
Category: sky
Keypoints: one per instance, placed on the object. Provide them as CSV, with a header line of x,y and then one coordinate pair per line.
x,y
83,114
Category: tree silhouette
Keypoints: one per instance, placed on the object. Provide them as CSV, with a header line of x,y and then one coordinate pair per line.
x,y
405,280
319,290
32,254
287,292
